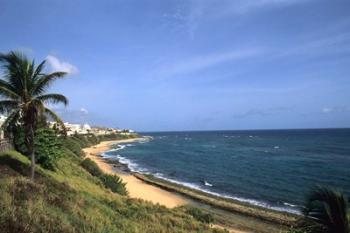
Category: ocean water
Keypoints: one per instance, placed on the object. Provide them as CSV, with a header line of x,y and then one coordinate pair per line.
x,y
270,168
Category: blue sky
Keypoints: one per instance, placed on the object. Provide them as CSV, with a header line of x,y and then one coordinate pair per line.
x,y
191,64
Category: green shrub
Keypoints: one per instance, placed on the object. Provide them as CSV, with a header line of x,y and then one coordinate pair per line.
x,y
200,215
48,146
73,146
93,139
86,140
90,166
114,136
81,140
114,183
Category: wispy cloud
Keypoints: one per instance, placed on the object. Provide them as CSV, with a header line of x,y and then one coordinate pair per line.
x,y
245,6
196,12
58,65
261,112
201,62
84,110
327,110
73,115
338,43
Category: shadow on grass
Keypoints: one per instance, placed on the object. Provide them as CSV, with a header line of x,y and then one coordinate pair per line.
x,y
15,165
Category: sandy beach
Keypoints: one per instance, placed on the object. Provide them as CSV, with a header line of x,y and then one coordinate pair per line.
x,y
135,187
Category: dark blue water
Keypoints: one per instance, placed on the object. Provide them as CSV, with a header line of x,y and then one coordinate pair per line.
x,y
272,168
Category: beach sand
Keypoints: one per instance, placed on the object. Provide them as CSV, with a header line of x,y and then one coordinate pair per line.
x,y
135,187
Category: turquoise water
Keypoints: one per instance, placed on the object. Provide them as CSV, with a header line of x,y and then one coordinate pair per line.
x,y
271,168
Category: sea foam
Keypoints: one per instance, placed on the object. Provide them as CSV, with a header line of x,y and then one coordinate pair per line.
x,y
286,208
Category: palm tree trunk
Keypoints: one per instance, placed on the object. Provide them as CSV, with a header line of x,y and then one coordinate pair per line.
x,y
32,172
31,151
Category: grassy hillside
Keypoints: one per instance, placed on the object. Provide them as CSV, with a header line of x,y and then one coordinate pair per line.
x,y
70,199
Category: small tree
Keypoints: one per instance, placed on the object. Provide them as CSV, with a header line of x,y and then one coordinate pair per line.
x,y
47,143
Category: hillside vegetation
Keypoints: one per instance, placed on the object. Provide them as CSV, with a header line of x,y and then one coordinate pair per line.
x,y
73,199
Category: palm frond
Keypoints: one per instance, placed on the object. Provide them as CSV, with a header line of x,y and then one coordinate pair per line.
x,y
8,105
11,63
39,69
7,85
53,98
7,90
329,208
45,81
56,118
11,120
16,66
30,79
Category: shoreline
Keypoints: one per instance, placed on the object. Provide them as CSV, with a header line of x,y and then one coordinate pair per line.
x,y
231,205
135,187
234,215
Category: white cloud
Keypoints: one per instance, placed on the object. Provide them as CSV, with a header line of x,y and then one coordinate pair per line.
x,y
327,110
204,61
84,110
58,65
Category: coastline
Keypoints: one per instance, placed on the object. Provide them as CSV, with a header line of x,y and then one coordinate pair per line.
x,y
233,215
265,214
136,187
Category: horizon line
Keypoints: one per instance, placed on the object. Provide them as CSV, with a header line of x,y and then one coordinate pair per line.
x,y
215,130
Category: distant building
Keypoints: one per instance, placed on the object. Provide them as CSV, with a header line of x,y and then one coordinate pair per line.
x,y
77,128
100,131
127,132
86,127
72,129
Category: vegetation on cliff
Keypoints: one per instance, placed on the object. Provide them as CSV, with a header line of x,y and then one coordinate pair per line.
x,y
71,199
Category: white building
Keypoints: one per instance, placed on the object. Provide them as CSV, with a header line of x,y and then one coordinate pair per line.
x,y
99,131
127,132
77,128
86,127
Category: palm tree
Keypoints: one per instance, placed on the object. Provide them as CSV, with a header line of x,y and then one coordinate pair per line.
x,y
23,88
328,208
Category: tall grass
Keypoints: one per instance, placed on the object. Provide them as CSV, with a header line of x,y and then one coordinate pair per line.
x,y
112,182
70,199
